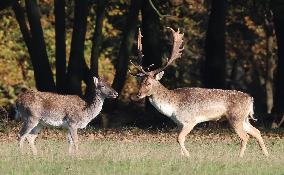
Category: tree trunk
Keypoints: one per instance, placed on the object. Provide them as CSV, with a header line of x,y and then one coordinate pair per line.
x,y
42,70
75,67
152,50
151,30
6,3
126,45
97,37
60,35
20,17
96,47
270,61
278,19
214,65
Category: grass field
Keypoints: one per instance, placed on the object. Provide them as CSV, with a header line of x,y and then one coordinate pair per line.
x,y
141,152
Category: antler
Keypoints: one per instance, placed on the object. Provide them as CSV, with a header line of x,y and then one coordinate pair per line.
x,y
175,54
176,50
139,57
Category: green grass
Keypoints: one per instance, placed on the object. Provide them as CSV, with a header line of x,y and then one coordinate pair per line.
x,y
148,156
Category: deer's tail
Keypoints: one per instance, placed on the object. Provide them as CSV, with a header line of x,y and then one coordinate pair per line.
x,y
17,113
251,112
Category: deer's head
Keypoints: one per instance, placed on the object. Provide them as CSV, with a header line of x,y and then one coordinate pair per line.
x,y
104,89
150,78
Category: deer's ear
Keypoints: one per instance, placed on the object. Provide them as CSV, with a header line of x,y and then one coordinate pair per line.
x,y
96,81
159,75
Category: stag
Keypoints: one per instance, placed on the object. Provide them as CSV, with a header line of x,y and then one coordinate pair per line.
x,y
190,106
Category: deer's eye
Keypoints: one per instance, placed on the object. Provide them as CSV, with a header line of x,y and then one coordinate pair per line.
x,y
148,84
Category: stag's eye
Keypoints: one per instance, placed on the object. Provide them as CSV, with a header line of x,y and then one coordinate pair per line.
x,y
148,84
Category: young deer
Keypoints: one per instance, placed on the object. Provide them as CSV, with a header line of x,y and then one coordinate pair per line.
x,y
190,106
41,108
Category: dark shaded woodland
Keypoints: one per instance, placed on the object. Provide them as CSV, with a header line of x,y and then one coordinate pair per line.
x,y
59,45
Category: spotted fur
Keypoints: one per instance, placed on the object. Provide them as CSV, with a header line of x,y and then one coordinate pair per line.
x,y
190,106
44,108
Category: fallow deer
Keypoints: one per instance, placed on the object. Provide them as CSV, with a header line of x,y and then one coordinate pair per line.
x,y
190,106
44,108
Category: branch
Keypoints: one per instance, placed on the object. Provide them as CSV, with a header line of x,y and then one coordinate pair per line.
x,y
161,15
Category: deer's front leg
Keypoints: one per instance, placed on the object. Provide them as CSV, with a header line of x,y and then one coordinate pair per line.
x,y
28,126
32,136
181,137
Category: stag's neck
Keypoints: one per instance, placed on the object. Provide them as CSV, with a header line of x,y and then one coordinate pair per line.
x,y
163,100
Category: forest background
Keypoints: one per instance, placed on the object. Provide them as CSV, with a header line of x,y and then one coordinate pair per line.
x,y
58,45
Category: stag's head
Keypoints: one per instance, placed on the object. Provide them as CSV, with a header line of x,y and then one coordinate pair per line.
x,y
104,88
150,78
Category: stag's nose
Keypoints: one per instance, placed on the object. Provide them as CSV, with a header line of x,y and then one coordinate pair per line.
x,y
139,95
115,94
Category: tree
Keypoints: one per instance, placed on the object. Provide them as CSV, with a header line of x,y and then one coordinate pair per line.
x,y
6,3
36,45
60,36
76,64
97,36
152,50
126,45
151,31
278,18
214,64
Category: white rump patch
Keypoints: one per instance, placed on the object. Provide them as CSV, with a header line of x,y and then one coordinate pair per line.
x,y
246,125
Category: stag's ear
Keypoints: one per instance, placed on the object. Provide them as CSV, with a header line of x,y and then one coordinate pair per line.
x,y
96,81
159,75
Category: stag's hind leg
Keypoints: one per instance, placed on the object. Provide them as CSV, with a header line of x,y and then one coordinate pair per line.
x,y
239,128
256,134
181,137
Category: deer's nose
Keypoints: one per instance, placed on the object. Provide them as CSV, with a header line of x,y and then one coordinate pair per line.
x,y
115,94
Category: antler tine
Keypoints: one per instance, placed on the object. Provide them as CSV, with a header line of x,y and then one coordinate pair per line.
x,y
139,47
176,49
148,68
139,68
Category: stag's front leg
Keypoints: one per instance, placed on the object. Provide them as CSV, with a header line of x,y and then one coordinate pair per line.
x,y
181,137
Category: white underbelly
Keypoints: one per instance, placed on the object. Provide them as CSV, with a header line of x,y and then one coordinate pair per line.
x,y
53,122
200,119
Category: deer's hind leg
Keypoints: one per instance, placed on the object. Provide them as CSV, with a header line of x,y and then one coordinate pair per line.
x,y
28,126
256,134
70,142
73,139
242,133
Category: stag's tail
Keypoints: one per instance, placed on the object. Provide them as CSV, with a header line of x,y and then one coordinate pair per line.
x,y
250,116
